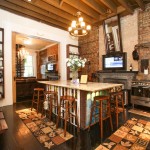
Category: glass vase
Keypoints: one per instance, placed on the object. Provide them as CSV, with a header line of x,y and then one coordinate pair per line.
x,y
74,76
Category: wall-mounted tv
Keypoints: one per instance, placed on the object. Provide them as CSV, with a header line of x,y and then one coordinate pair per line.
x,y
115,61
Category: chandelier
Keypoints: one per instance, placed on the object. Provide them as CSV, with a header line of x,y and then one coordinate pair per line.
x,y
78,27
21,51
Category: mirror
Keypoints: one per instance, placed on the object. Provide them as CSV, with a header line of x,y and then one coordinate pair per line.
x,y
112,35
72,50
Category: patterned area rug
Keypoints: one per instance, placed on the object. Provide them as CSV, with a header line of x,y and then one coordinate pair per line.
x,y
44,130
133,135
139,112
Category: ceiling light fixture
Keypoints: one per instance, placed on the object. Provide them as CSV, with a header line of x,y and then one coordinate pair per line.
x,y
27,41
78,27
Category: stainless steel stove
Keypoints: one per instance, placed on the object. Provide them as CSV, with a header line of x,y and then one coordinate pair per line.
x,y
140,93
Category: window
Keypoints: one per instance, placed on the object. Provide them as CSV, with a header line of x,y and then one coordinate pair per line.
x,y
28,66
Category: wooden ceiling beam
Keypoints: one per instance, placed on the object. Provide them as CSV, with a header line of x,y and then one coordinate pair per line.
x,y
141,4
39,10
126,5
79,5
110,4
96,6
61,2
120,10
54,10
30,14
71,10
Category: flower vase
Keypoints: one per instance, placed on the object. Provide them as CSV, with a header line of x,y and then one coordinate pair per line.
x,y
74,77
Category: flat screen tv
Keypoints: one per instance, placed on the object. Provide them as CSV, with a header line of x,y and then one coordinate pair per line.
x,y
114,61
51,67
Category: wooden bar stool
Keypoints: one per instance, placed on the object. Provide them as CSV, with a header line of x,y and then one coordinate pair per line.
x,y
101,109
117,104
52,98
67,110
38,98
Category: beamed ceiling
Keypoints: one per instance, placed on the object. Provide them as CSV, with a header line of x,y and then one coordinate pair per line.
x,y
60,13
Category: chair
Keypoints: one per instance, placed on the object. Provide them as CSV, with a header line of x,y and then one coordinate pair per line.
x,y
101,108
38,98
67,110
117,104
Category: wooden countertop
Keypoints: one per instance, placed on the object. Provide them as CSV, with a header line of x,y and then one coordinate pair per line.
x,y
90,86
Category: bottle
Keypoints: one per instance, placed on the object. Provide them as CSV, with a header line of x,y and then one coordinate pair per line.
x,y
131,67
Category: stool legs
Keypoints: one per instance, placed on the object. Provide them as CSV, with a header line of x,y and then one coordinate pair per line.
x,y
38,96
118,99
101,119
101,109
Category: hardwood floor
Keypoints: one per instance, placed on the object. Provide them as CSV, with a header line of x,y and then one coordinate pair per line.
x,y
19,137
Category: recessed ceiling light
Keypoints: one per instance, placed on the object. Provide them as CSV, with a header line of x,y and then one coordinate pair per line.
x,y
29,0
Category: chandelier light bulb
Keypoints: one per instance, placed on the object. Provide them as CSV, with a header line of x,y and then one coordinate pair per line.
x,y
82,24
80,19
75,31
73,25
88,27
70,28
83,31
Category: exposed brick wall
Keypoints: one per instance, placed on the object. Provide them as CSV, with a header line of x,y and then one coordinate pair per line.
x,y
90,50
144,25
144,37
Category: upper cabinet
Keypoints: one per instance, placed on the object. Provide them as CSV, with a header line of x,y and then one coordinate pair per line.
x,y
112,35
2,93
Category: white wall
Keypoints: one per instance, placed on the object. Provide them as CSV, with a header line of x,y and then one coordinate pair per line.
x,y
14,23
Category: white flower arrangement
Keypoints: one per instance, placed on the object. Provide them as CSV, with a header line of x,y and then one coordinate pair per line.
x,y
75,63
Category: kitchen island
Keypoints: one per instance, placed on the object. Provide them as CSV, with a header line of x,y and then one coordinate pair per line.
x,y
84,94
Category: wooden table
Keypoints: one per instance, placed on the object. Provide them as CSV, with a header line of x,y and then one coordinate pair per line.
x,y
84,94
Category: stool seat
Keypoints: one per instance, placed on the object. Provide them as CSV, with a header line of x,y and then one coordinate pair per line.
x,y
67,97
99,102
38,89
50,92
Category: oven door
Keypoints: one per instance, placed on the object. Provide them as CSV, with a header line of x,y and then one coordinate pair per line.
x,y
137,91
146,91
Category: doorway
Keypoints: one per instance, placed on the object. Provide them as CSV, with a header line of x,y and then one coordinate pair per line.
x,y
26,73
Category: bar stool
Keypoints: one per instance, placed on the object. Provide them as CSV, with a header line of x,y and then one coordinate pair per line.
x,y
38,98
117,104
52,98
68,105
103,111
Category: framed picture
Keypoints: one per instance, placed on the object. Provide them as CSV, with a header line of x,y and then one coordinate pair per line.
x,y
52,57
83,79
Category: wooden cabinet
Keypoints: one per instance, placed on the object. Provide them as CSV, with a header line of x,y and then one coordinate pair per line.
x,y
2,91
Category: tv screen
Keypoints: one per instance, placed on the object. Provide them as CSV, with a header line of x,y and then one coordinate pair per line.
x,y
51,67
114,61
